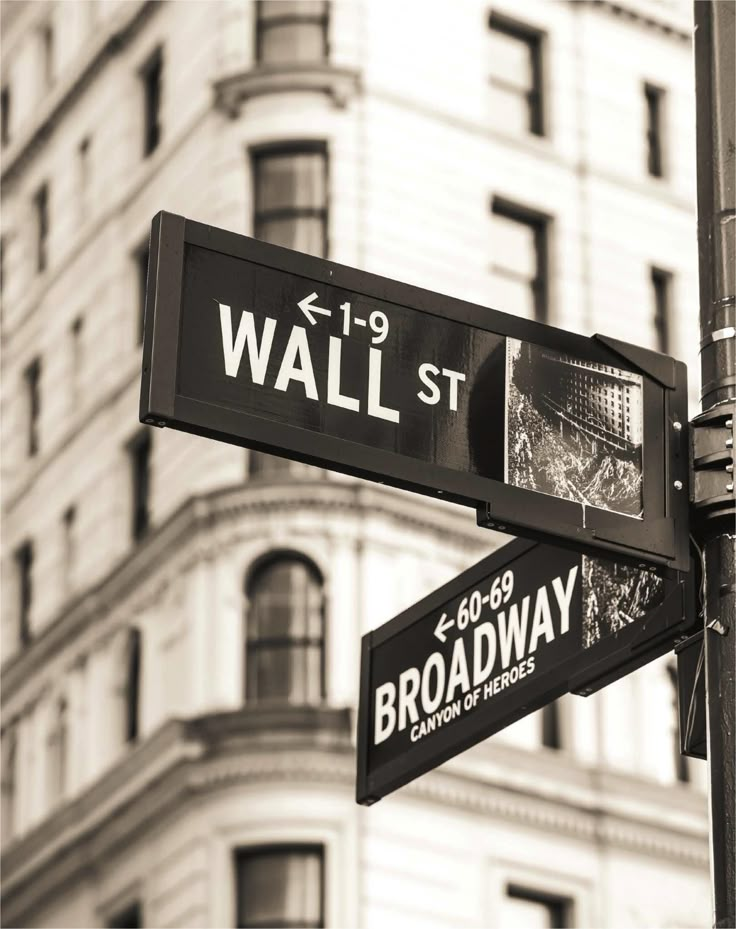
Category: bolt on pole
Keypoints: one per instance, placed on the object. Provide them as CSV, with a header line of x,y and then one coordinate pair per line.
x,y
714,511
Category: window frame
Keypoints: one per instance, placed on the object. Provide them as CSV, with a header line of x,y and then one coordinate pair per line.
x,y
139,445
133,678
42,222
534,39
32,374
541,225
261,153
23,558
560,906
153,67
6,102
661,283
264,24
253,644
283,848
654,100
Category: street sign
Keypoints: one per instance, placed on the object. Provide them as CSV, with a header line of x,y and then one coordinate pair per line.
x,y
519,629
545,433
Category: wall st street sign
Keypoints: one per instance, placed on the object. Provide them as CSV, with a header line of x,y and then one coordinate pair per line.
x,y
544,432
519,629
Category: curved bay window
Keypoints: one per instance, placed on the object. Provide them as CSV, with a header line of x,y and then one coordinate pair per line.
x,y
284,642
289,31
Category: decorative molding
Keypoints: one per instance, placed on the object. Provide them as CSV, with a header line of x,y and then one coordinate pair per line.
x,y
301,747
644,14
340,84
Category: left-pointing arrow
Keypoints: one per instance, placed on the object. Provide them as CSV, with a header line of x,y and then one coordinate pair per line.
x,y
442,626
308,308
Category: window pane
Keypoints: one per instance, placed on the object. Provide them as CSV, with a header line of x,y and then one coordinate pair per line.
x,y
304,233
280,888
514,246
290,181
292,42
511,60
292,673
286,600
297,9
527,914
508,110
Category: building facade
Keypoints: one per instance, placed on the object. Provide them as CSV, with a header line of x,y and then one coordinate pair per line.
x,y
181,620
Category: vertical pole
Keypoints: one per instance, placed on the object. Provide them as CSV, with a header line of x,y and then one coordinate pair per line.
x,y
715,72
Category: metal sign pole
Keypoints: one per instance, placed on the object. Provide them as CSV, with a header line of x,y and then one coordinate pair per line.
x,y
714,508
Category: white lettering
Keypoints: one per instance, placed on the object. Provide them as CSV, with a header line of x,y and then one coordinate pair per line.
x,y
333,377
453,377
233,351
481,671
374,389
424,371
513,632
385,712
408,690
430,702
458,676
297,346
542,622
564,597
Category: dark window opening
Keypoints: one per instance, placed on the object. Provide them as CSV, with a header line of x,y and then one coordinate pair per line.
x,y
551,729
290,31
527,906
133,685
517,74
32,379
129,918
24,569
280,887
47,42
284,647
41,210
140,457
290,197
5,116
654,102
661,292
141,264
520,259
681,765
151,75
69,523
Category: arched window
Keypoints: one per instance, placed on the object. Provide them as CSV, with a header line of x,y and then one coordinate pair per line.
x,y
284,641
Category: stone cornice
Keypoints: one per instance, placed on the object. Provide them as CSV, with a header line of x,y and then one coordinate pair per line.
x,y
308,748
643,13
232,91
68,91
188,536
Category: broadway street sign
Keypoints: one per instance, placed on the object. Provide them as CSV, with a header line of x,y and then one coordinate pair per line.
x,y
544,432
519,629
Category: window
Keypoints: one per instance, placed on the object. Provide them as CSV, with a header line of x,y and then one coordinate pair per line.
x,y
661,290
524,908
9,781
551,736
41,211
32,383
151,79
654,105
76,358
47,54
284,648
681,766
129,918
516,76
290,31
5,116
280,887
69,530
520,260
83,175
132,685
140,259
290,196
57,752
24,570
140,460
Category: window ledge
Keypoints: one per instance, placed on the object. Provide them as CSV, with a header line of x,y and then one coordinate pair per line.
x,y
341,84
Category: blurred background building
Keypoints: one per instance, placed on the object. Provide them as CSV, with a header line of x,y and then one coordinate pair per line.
x,y
181,619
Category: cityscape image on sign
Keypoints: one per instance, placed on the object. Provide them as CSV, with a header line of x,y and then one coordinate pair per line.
x,y
512,633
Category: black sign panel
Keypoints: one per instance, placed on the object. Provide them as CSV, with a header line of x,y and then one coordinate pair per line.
x,y
544,432
519,629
